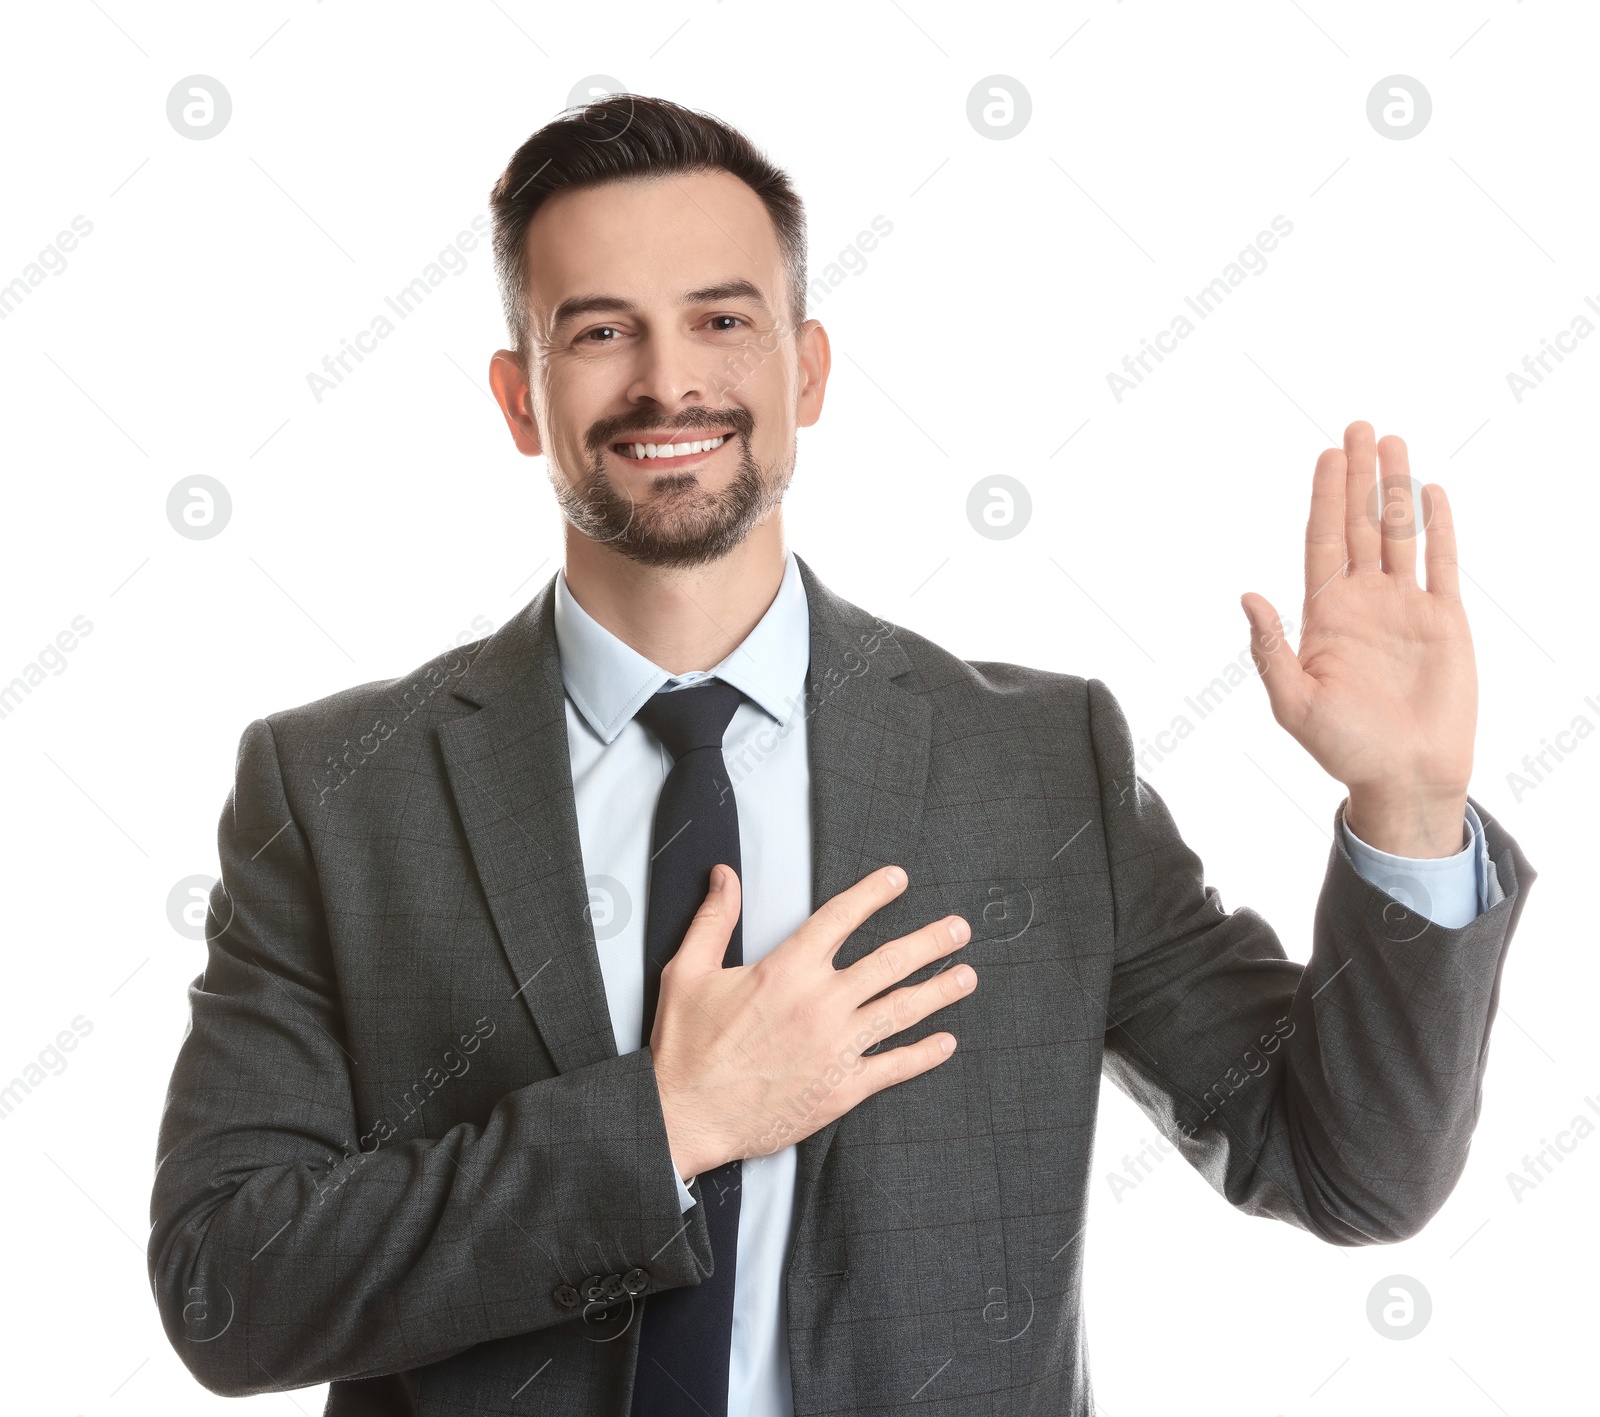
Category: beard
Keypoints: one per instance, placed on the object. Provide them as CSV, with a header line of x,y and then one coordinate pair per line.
x,y
678,522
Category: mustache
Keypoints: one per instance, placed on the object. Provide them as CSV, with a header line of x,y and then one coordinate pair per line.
x,y
616,428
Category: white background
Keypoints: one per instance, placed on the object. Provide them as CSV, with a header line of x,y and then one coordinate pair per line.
x,y
371,529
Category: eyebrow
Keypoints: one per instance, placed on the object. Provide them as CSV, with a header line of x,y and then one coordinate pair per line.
x,y
578,305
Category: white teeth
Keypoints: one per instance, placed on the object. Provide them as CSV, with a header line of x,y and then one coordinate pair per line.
x,y
676,450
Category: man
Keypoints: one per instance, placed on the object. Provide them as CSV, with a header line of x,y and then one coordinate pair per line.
x,y
578,1032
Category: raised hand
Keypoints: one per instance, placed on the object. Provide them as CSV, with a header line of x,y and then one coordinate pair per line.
x,y
755,1058
1383,691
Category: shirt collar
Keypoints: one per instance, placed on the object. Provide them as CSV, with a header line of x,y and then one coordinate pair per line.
x,y
609,681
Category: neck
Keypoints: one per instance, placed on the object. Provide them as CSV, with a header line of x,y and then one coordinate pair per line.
x,y
681,618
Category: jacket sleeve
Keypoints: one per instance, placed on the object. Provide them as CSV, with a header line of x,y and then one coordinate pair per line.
x,y
1339,1095
286,1248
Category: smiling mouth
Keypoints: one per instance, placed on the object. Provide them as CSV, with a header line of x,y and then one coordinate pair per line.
x,y
670,454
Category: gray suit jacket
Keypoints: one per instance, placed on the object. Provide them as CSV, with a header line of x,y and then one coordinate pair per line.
x,y
400,1148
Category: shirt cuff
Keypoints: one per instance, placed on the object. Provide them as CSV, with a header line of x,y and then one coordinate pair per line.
x,y
685,1198
1448,890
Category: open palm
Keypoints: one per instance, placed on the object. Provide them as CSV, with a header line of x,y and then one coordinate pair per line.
x,y
1383,689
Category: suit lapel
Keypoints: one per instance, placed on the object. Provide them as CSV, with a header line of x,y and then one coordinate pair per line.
x,y
511,777
868,747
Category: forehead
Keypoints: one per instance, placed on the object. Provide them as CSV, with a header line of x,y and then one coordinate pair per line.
x,y
645,238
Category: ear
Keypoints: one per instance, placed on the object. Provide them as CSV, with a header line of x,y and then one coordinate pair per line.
x,y
811,343
509,381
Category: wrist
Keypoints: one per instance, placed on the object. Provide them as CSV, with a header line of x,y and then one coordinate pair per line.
x,y
1414,823
683,1159
682,1135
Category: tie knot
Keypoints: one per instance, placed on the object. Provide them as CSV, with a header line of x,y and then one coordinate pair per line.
x,y
686,719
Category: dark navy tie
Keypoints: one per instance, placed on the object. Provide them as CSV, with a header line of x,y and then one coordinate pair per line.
x,y
686,1332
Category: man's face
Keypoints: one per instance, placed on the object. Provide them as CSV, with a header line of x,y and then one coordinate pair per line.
x,y
665,381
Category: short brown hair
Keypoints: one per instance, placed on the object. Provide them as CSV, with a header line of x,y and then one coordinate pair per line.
x,y
616,138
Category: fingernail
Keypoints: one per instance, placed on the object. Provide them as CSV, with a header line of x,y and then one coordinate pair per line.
x,y
958,929
965,977
947,1044
896,876
718,877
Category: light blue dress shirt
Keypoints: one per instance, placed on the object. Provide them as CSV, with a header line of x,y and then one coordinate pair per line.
x,y
618,767
617,770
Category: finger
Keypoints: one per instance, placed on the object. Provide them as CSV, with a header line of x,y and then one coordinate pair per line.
x,y
1287,684
706,940
1325,556
901,1064
836,919
1441,546
904,1007
1361,538
893,961
1397,517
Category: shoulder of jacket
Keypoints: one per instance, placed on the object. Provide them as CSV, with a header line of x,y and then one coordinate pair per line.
x,y
420,691
938,671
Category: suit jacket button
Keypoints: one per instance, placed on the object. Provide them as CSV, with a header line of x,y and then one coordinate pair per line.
x,y
593,1289
636,1281
613,1286
566,1296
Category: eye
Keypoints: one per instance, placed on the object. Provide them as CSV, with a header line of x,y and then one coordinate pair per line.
x,y
595,334
723,329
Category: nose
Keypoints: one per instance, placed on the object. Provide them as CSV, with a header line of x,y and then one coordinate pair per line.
x,y
673,370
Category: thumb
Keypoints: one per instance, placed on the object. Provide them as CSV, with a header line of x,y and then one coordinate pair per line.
x,y
706,940
1277,664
